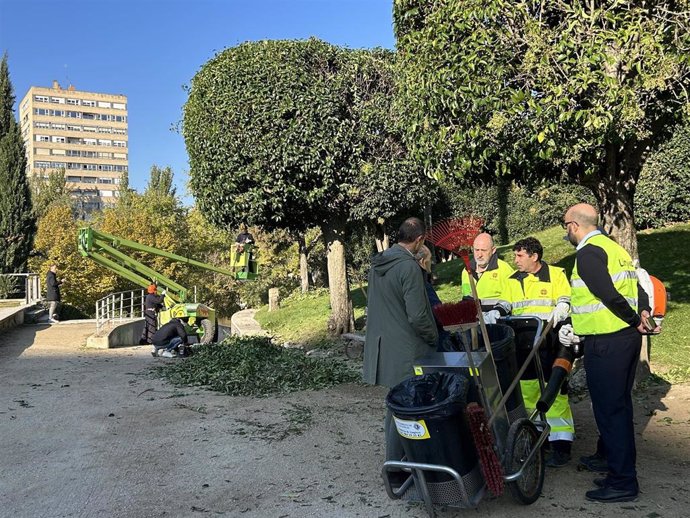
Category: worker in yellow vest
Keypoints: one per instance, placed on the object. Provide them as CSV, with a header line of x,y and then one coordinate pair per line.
x,y
541,290
604,310
490,274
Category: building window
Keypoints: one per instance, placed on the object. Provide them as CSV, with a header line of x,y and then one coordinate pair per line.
x,y
90,129
41,125
58,126
42,138
73,128
41,165
59,140
57,100
103,104
88,103
74,102
41,99
119,143
74,179
119,106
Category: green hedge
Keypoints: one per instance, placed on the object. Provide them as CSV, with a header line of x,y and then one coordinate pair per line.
x,y
530,209
664,186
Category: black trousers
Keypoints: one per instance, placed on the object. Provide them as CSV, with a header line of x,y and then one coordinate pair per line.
x,y
610,363
150,326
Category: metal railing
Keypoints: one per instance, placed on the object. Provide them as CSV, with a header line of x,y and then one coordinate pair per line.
x,y
29,289
116,307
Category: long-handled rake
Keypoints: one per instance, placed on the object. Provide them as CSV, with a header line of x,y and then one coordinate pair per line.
x,y
456,236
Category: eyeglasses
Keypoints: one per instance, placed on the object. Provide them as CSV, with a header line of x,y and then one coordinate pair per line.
x,y
566,223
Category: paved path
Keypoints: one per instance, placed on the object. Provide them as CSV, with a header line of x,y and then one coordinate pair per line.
x,y
91,433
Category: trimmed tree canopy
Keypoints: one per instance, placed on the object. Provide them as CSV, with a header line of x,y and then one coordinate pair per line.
x,y
295,133
587,87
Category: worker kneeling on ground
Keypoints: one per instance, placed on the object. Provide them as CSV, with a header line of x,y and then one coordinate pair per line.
x,y
539,289
168,338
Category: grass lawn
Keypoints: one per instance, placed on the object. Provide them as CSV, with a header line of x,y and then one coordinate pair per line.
x,y
663,253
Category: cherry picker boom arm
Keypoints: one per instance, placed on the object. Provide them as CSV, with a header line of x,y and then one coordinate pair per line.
x,y
104,249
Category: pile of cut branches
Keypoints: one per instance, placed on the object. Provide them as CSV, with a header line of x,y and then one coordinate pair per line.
x,y
255,366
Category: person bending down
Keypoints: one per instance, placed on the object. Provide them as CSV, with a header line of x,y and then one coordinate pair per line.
x,y
169,337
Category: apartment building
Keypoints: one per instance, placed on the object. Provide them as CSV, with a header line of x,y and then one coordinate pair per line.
x,y
84,133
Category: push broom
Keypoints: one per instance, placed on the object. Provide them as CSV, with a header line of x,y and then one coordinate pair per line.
x,y
457,236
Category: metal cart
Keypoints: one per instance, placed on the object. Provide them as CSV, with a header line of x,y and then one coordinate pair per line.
x,y
518,438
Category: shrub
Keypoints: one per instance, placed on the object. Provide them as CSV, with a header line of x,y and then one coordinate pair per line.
x,y
530,208
664,185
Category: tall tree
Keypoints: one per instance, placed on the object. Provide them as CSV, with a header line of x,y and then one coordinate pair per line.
x,y
586,87
161,182
17,223
297,134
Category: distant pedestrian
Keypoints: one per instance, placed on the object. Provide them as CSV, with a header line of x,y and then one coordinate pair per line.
x,y
53,296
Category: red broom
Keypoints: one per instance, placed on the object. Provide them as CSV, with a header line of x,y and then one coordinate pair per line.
x,y
451,315
457,236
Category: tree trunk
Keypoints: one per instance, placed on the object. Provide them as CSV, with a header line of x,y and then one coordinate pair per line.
x,y
615,193
303,263
502,190
341,320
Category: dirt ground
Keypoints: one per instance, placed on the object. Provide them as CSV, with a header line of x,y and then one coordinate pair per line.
x,y
92,433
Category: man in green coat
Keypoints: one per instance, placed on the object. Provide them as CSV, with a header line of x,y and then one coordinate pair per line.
x,y
400,324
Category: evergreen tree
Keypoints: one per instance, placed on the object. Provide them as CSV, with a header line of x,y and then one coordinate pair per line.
x,y
17,222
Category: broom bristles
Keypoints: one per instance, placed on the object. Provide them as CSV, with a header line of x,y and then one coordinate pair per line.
x,y
484,444
463,312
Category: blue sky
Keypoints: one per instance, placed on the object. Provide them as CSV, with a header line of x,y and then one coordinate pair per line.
x,y
148,49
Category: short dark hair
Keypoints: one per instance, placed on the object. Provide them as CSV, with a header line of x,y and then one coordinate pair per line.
x,y
410,230
531,245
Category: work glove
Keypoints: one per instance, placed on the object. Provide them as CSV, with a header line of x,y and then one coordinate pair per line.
x,y
567,337
559,313
490,317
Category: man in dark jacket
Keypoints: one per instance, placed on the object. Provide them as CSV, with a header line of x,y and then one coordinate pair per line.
x,y
152,305
169,337
400,325
53,294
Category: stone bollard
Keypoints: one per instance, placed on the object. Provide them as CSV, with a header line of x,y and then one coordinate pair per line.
x,y
273,299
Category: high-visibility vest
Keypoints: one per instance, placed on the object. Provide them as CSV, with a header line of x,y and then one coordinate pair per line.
x,y
491,286
538,293
590,316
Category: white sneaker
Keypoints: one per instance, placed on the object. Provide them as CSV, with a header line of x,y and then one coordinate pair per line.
x,y
53,321
167,354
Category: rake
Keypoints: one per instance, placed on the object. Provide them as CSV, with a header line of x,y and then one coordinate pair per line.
x,y
456,236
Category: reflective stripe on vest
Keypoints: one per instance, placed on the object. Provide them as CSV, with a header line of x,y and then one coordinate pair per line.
x,y
590,316
536,297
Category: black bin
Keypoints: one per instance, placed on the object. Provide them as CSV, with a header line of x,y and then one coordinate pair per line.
x,y
502,339
429,414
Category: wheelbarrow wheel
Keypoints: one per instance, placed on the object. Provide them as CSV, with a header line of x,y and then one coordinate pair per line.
x,y
522,439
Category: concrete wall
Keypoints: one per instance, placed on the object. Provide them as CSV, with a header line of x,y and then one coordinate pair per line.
x,y
243,324
126,333
11,317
